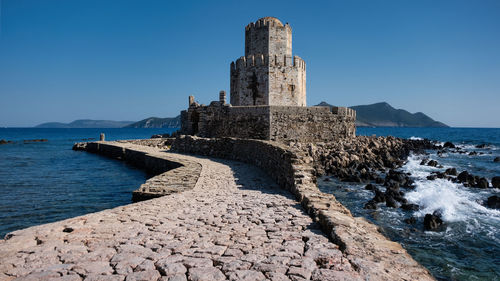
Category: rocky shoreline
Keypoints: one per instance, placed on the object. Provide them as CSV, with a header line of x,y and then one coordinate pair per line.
x,y
153,240
376,160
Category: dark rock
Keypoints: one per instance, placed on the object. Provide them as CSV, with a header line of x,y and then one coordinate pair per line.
x,y
495,182
68,229
326,179
432,177
432,222
2,141
424,161
497,159
379,180
370,205
462,177
379,196
411,220
493,202
482,183
483,145
410,207
432,163
370,187
449,145
472,153
390,202
35,140
451,171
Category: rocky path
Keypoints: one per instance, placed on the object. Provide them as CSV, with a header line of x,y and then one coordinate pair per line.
x,y
236,224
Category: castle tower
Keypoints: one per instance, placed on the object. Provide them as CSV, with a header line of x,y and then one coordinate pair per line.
x,y
268,74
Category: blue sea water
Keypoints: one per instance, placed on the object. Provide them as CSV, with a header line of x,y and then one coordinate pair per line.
x,y
48,181
469,247
43,182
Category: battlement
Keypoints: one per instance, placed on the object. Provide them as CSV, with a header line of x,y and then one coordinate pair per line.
x,y
268,60
266,24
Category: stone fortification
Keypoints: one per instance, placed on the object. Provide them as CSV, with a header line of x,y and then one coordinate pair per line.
x,y
268,96
268,74
278,123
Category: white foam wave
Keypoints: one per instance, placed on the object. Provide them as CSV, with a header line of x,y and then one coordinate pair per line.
x,y
453,201
415,138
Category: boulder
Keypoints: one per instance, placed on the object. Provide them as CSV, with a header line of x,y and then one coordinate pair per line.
x,y
410,207
370,187
493,202
482,183
432,222
432,163
495,182
370,205
462,177
390,202
497,159
379,196
451,171
449,145
411,220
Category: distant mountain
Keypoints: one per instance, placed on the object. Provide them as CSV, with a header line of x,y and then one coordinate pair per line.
x,y
86,123
384,115
155,122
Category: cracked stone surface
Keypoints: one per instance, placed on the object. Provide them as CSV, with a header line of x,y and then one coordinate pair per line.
x,y
236,224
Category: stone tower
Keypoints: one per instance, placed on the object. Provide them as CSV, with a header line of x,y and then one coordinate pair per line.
x,y
268,74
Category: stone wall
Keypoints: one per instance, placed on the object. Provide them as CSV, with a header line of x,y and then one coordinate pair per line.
x,y
279,123
171,174
311,124
372,253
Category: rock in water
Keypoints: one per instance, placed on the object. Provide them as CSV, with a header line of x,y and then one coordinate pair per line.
x,y
370,205
432,222
449,145
462,177
410,207
411,220
495,182
432,163
493,202
451,171
497,159
482,183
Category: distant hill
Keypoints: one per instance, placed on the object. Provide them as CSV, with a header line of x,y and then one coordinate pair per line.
x,y
384,115
86,123
155,122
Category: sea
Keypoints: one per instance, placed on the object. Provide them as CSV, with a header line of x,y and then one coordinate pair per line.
x,y
468,248
42,182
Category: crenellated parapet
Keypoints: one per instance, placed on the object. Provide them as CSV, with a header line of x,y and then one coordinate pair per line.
x,y
267,60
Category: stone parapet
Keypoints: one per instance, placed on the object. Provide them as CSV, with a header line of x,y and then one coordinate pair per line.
x,y
172,174
374,256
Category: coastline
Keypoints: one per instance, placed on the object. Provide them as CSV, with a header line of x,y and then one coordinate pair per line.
x,y
369,252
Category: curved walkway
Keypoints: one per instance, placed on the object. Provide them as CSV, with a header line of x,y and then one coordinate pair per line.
x,y
236,224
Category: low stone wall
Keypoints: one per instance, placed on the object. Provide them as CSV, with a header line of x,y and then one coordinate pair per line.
x,y
172,174
277,123
373,254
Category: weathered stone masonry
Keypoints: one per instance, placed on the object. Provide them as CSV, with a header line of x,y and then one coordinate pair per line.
x,y
268,96
268,74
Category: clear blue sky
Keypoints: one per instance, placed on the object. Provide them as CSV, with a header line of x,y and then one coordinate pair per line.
x,y
128,60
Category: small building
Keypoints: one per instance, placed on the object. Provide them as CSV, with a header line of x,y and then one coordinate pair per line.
x,y
268,96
